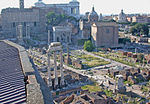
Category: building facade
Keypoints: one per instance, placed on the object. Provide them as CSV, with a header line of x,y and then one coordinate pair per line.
x,y
85,26
34,18
72,8
122,17
12,17
0,22
141,19
105,34
62,34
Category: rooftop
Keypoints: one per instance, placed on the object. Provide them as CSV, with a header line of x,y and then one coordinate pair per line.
x,y
20,82
12,85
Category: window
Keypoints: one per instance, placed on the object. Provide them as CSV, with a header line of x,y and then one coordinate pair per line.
x,y
68,39
57,39
61,38
14,24
35,24
107,31
64,35
24,23
73,11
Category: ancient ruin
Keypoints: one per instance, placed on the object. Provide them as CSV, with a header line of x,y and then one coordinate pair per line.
x,y
54,48
19,31
120,85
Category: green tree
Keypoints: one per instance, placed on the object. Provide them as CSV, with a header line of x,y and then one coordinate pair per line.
x,y
133,23
133,30
145,29
54,19
71,18
140,29
88,46
124,40
140,58
51,18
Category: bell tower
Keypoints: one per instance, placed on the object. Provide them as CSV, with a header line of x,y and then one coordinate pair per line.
x,y
21,4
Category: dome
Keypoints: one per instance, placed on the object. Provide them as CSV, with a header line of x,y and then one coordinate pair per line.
x,y
93,13
122,17
74,2
40,4
122,14
93,16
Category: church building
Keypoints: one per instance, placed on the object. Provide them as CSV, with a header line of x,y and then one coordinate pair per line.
x,y
105,34
102,33
122,17
85,25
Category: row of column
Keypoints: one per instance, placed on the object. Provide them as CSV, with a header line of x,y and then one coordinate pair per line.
x,y
55,70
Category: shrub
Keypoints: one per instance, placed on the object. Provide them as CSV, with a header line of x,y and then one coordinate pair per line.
x,y
88,46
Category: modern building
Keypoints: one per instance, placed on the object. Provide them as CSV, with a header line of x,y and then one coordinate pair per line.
x,y
105,34
72,8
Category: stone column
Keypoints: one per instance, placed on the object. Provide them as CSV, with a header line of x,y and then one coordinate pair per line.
x,y
48,37
49,71
61,69
120,85
19,32
55,70
28,31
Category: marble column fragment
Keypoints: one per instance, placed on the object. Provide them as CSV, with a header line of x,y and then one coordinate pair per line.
x,y
49,71
61,68
55,70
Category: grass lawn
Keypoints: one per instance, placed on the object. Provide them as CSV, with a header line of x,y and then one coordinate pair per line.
x,y
108,93
120,58
91,61
37,63
95,63
91,88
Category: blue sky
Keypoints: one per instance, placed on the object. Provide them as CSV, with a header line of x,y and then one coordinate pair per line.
x,y
101,6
